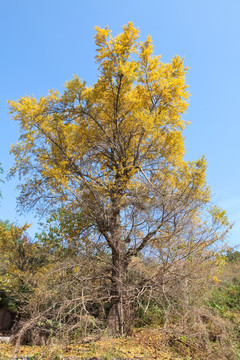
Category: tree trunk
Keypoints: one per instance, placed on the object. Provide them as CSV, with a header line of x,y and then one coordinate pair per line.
x,y
118,314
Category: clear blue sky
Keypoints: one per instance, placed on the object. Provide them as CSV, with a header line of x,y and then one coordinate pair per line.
x,y
43,43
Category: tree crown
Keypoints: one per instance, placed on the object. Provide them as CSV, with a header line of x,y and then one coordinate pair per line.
x,y
113,152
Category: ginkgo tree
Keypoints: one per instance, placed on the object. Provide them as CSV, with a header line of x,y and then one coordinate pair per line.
x,y
112,156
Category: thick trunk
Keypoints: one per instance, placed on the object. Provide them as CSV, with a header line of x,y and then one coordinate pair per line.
x,y
118,314
119,310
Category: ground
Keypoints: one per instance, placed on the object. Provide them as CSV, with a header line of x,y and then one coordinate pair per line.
x,y
145,345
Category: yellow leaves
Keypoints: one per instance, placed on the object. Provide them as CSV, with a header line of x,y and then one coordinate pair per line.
x,y
140,346
10,233
133,95
90,142
18,257
74,89
219,215
119,47
146,50
101,36
76,269
216,279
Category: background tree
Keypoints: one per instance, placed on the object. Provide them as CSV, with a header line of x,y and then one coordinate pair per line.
x,y
20,258
112,155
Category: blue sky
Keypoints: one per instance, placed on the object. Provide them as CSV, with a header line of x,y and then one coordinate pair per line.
x,y
43,43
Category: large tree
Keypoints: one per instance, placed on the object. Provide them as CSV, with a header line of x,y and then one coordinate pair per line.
x,y
112,155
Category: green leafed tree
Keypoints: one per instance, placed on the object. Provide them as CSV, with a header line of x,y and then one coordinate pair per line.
x,y
111,156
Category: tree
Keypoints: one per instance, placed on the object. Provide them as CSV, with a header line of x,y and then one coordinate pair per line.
x,y
112,155
20,258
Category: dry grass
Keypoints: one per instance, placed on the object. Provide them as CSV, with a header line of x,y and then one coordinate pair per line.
x,y
143,344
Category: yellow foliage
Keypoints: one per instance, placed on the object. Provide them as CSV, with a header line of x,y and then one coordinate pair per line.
x,y
144,344
115,149
130,118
